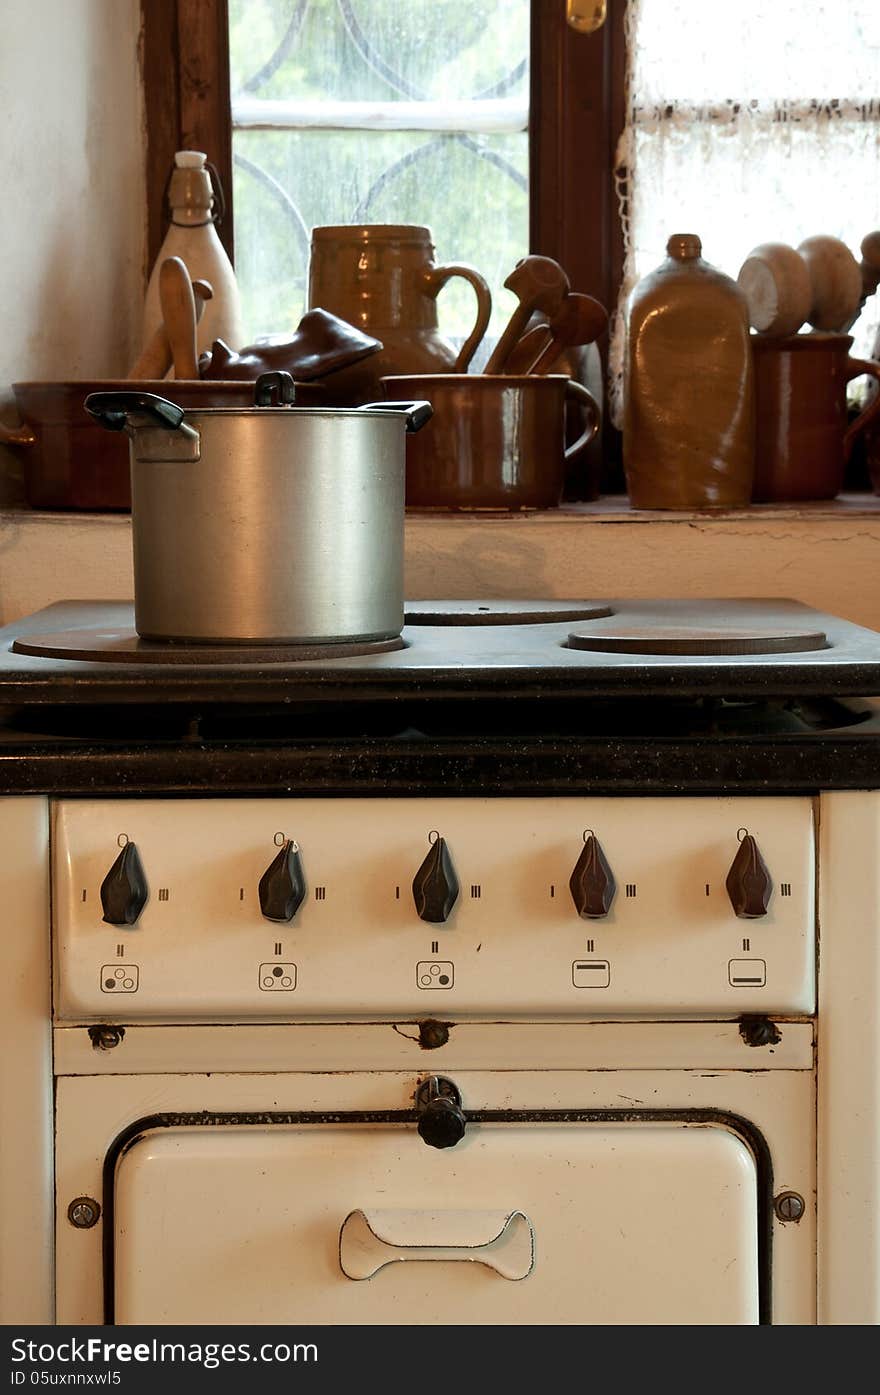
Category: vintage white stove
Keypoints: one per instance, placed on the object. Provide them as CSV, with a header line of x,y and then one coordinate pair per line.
x,y
525,973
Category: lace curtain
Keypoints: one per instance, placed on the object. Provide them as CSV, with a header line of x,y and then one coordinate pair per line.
x,y
748,122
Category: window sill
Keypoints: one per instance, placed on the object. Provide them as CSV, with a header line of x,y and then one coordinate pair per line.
x,y
613,508
825,554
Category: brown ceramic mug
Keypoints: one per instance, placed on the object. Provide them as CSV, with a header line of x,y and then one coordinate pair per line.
x,y
802,441
495,441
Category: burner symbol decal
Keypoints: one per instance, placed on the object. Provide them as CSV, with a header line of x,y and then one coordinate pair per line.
x,y
277,978
435,973
115,979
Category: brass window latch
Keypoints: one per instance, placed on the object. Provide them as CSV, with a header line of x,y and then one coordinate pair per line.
x,y
586,16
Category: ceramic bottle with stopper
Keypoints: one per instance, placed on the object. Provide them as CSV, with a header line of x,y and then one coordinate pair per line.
x,y
688,428
192,236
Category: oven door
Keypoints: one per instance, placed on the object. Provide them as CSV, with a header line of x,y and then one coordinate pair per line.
x,y
348,1219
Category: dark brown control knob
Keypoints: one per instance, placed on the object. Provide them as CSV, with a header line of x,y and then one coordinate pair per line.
x,y
283,884
435,886
749,885
124,890
441,1119
592,882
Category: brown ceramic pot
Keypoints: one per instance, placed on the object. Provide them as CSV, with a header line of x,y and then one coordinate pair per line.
x,y
802,441
70,463
383,279
494,442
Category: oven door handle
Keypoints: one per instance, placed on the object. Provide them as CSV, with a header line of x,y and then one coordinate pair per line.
x,y
502,1240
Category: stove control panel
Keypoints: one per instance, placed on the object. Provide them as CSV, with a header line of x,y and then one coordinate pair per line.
x,y
338,909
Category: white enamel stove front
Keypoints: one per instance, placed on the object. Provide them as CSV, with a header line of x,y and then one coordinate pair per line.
x,y
485,1063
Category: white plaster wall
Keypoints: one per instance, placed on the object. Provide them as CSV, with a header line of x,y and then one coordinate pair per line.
x,y
72,230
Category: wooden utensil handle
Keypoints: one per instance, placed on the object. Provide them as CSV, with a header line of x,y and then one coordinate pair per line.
x,y
179,313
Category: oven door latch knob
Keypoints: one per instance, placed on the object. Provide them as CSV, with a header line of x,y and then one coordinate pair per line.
x,y
435,886
749,885
124,890
441,1119
283,884
592,883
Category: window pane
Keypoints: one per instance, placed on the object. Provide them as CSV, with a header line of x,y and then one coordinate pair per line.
x,y
470,188
756,122
379,49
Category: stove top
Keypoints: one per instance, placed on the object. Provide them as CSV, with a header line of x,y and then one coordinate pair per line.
x,y
480,697
84,652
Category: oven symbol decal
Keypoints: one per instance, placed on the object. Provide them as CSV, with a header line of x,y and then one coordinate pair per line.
x,y
591,973
747,973
435,973
277,978
116,979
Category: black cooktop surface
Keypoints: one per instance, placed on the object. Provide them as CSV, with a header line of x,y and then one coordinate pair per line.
x,y
88,652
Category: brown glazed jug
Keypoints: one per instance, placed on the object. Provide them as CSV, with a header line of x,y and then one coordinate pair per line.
x,y
688,428
383,279
803,439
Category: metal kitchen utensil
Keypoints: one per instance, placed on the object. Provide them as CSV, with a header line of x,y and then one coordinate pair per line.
x,y
268,523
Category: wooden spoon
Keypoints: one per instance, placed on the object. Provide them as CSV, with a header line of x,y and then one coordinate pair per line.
x,y
836,282
579,320
179,313
538,283
155,360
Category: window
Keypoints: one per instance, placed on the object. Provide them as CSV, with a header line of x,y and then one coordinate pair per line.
x,y
572,96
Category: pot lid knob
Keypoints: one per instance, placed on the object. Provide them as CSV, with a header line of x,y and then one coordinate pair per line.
x,y
275,389
435,886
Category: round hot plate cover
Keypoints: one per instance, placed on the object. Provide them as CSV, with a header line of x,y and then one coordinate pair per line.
x,y
672,640
503,612
115,646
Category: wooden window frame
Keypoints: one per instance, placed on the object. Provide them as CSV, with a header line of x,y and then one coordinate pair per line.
x,y
577,114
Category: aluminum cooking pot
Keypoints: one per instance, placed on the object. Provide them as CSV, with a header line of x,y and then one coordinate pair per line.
x,y
270,523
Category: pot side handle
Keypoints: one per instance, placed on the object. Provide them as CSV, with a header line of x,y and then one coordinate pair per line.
x,y
417,413
17,435
112,410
